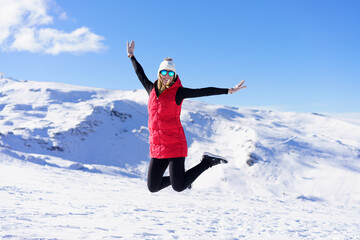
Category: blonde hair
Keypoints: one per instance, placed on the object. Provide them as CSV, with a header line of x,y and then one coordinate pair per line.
x,y
160,85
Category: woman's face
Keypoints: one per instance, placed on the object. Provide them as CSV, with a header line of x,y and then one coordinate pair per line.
x,y
166,79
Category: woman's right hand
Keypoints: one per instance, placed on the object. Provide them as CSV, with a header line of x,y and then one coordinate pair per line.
x,y
130,48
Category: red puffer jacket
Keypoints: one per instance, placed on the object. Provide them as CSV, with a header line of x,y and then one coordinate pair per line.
x,y
167,137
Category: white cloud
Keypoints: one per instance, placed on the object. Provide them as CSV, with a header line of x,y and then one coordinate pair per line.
x,y
23,28
63,16
52,41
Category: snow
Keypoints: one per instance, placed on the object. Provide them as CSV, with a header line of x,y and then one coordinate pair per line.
x,y
73,164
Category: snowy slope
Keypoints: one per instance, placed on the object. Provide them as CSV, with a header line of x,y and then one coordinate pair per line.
x,y
293,158
84,125
44,122
40,202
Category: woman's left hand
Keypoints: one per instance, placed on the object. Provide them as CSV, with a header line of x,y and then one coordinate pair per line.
x,y
237,87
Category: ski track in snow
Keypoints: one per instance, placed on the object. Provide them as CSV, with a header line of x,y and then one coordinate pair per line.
x,y
73,163
40,202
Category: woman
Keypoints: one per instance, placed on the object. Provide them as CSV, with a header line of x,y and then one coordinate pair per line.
x,y
168,147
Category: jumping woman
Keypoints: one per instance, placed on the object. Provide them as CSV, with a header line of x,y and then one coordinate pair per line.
x,y
168,147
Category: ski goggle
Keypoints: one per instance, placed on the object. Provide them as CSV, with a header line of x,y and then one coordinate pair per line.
x,y
164,72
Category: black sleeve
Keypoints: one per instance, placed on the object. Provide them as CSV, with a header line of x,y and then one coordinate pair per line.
x,y
148,85
183,93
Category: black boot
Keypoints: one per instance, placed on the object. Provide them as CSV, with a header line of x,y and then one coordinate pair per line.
x,y
212,159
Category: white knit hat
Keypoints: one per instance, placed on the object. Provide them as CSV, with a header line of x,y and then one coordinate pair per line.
x,y
167,64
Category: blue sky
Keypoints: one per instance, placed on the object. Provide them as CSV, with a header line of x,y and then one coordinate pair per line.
x,y
294,55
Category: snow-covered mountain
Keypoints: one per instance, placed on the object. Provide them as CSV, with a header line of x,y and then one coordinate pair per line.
x,y
106,131
271,154
45,122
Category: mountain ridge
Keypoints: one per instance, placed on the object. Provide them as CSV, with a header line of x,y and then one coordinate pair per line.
x,y
105,131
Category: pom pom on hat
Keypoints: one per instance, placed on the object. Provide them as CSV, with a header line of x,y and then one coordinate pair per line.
x,y
167,64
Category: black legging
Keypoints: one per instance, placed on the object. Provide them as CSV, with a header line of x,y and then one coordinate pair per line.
x,y
178,179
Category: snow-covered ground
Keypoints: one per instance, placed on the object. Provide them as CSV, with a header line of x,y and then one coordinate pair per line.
x,y
73,164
